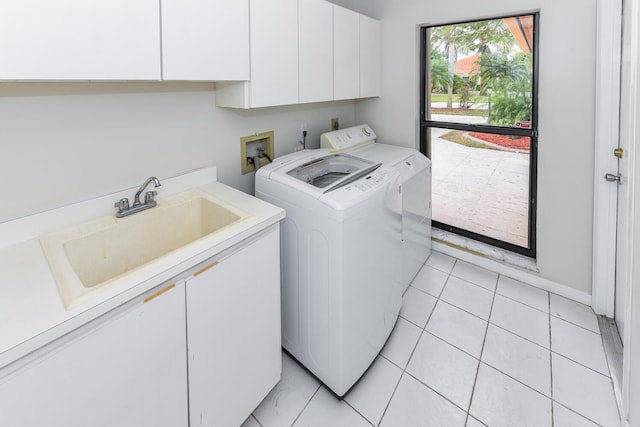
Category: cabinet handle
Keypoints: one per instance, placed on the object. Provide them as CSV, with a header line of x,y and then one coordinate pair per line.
x,y
202,270
160,292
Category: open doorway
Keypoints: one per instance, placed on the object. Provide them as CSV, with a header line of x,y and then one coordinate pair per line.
x,y
479,127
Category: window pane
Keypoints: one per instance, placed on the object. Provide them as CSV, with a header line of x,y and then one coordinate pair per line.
x,y
481,183
482,72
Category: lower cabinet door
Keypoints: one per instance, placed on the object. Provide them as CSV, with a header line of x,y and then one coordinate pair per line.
x,y
126,368
233,332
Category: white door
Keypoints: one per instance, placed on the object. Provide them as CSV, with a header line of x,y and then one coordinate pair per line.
x,y
627,123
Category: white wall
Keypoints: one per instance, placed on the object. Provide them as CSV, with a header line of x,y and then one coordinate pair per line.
x,y
566,112
65,142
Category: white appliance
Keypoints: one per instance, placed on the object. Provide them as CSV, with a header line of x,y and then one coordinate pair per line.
x,y
340,291
413,186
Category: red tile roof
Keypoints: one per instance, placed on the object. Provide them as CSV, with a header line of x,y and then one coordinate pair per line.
x,y
468,66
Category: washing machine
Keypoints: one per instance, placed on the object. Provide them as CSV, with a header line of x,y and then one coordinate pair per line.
x,y
340,294
413,187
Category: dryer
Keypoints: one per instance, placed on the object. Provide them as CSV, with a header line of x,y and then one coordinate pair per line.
x,y
340,293
413,188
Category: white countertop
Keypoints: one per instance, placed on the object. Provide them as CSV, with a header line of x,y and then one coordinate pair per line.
x,y
32,313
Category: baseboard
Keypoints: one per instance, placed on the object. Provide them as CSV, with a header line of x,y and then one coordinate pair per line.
x,y
525,276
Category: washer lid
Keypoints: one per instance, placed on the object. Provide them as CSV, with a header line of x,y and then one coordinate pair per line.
x,y
332,171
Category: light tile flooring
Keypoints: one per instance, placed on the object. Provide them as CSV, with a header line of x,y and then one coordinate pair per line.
x,y
471,348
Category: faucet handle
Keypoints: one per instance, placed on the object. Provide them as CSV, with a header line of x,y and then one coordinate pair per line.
x,y
149,195
122,204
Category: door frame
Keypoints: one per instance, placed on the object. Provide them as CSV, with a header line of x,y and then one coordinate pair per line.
x,y
607,122
426,123
608,66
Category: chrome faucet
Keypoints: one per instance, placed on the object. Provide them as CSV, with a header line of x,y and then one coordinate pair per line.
x,y
149,202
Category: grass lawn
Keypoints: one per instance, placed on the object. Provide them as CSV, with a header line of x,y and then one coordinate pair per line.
x,y
459,138
442,97
459,111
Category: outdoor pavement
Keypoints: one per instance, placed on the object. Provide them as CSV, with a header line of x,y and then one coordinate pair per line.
x,y
482,106
481,190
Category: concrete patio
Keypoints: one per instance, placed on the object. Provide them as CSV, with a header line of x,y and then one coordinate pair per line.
x,y
481,190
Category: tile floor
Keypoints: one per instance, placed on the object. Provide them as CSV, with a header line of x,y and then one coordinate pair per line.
x,y
471,348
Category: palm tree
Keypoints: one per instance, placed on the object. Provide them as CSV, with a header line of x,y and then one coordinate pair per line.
x,y
440,76
468,37
510,79
444,37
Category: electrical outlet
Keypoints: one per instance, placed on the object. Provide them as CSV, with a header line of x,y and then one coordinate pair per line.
x,y
252,146
335,123
303,128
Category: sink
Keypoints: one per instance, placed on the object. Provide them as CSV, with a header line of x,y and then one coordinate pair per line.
x,y
89,257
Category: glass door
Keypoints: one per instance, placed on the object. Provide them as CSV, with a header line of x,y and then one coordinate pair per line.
x,y
479,127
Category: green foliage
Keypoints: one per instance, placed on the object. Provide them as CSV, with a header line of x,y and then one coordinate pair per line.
x,y
501,73
506,111
440,77
458,83
473,36
511,82
465,96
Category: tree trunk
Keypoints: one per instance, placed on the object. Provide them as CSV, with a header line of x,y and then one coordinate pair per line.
x,y
452,72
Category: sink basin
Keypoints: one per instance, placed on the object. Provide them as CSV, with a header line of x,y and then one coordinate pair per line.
x,y
90,256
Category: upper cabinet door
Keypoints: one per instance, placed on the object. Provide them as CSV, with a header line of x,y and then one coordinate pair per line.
x,y
315,63
369,57
80,40
346,48
205,40
274,52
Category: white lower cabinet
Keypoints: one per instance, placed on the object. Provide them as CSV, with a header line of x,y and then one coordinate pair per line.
x,y
126,368
199,350
234,352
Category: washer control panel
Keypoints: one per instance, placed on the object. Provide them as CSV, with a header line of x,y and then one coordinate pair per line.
x,y
368,182
348,138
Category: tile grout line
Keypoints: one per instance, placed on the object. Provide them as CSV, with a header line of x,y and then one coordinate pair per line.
x,y
550,361
384,412
404,369
577,413
342,399
320,385
484,340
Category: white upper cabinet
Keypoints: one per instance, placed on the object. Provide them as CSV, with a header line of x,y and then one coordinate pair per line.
x,y
274,58
80,40
315,60
369,57
306,51
274,52
205,40
346,53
